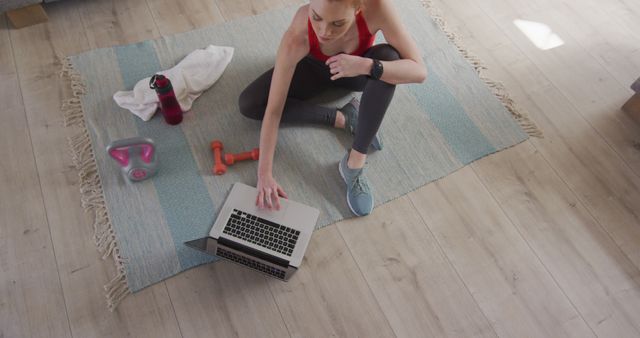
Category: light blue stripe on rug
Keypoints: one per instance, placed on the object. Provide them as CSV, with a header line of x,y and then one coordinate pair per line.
x,y
181,192
445,112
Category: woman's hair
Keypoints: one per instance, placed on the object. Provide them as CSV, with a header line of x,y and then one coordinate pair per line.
x,y
354,3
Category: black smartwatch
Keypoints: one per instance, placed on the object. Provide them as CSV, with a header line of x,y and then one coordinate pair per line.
x,y
376,70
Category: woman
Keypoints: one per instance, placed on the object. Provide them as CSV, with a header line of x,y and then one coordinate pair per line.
x,y
330,43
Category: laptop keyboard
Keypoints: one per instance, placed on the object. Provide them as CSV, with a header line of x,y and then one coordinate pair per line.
x,y
261,232
278,273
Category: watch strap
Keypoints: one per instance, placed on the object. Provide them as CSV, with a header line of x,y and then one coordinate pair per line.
x,y
376,69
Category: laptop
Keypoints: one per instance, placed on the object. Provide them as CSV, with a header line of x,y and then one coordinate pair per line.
x,y
272,242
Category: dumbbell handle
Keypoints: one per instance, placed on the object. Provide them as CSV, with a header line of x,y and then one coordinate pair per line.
x,y
230,159
218,166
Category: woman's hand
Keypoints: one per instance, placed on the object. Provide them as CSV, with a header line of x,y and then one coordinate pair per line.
x,y
268,192
345,65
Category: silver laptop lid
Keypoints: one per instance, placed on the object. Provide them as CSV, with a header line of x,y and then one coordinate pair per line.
x,y
254,260
297,219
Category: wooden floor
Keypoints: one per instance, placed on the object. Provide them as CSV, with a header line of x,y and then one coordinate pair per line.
x,y
540,240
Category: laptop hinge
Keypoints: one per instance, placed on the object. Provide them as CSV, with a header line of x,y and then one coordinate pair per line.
x,y
253,252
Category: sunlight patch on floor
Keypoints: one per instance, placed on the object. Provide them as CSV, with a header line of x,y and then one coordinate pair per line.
x,y
540,34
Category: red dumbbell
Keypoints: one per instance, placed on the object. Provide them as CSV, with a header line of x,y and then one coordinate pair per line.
x,y
218,167
230,159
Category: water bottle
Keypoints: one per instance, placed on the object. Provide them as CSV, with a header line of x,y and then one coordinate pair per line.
x,y
168,103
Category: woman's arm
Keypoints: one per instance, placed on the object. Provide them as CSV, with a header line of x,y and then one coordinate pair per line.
x,y
289,53
293,47
410,68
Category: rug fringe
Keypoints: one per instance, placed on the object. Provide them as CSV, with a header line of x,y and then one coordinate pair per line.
x,y
497,88
117,290
72,108
92,195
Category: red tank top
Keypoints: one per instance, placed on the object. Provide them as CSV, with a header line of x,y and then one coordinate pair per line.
x,y
365,39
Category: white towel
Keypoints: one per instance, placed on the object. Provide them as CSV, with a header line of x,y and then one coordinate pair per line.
x,y
190,77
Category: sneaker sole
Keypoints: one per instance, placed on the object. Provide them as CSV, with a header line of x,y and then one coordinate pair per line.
x,y
349,203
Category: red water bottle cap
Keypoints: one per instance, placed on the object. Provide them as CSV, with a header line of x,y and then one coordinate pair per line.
x,y
160,83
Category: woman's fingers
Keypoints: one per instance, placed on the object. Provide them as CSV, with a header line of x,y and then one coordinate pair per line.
x,y
337,73
331,60
260,200
276,200
282,193
267,197
337,70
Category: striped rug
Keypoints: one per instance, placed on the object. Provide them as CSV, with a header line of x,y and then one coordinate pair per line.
x,y
430,130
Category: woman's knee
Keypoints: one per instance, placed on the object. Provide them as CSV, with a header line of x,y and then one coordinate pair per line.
x,y
384,52
250,105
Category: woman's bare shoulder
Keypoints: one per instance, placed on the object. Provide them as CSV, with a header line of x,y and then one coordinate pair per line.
x,y
299,22
373,12
296,37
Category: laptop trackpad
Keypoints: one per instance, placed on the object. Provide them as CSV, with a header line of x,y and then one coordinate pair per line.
x,y
274,215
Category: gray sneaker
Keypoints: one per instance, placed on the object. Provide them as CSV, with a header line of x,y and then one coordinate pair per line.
x,y
350,111
359,195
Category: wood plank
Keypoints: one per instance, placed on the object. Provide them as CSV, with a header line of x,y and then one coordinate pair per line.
x,y
326,297
630,5
607,30
329,286
174,17
82,273
225,300
592,90
416,287
585,80
294,2
31,295
598,60
552,215
232,9
509,283
595,275
115,22
600,178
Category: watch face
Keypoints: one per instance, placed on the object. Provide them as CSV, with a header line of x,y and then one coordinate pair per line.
x,y
376,71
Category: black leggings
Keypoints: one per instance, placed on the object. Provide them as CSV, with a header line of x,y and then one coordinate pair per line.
x,y
310,78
